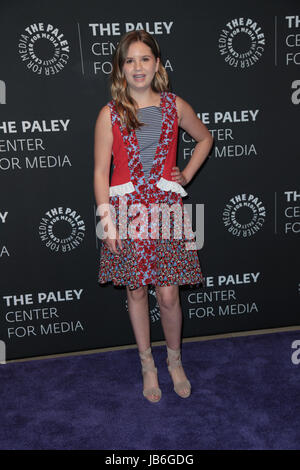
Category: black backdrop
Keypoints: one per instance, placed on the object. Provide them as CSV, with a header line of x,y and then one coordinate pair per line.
x,y
238,65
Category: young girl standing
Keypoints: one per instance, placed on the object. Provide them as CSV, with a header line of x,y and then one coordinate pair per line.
x,y
139,126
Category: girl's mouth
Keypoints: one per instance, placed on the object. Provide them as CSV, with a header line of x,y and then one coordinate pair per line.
x,y
139,77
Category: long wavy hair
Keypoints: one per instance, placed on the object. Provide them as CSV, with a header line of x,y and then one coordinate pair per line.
x,y
125,104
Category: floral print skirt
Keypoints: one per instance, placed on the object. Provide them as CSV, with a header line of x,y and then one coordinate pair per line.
x,y
159,260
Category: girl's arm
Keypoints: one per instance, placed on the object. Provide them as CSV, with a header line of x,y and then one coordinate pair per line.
x,y
103,141
188,121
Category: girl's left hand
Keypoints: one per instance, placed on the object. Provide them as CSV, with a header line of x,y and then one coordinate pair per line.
x,y
178,176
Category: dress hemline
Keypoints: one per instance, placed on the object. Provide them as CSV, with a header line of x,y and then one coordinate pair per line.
x,y
133,287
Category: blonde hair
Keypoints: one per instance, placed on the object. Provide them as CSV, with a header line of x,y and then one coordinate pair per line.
x,y
125,104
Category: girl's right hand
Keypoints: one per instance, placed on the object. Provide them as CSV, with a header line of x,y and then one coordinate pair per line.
x,y
113,241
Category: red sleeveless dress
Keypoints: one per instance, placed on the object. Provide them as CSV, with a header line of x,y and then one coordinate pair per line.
x,y
149,257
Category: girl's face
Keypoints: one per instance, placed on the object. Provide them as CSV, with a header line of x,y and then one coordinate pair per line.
x,y
140,66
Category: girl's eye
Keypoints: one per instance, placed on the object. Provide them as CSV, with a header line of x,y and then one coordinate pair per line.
x,y
128,61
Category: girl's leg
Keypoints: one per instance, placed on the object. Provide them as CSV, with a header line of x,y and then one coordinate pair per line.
x,y
171,320
138,307
170,314
139,316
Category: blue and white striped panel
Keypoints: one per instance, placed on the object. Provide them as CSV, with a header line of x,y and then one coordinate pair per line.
x,y
148,135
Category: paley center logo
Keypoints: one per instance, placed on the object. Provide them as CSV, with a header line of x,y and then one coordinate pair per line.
x,y
44,49
244,215
242,42
62,229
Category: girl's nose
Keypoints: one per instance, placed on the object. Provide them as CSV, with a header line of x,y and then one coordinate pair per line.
x,y
137,66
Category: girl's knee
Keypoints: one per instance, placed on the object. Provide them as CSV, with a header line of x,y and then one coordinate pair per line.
x,y
137,294
167,296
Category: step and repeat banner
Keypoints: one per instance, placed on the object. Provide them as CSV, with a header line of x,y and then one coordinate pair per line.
x,y
238,65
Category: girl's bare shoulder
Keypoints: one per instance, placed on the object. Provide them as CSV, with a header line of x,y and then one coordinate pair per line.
x,y
104,117
181,106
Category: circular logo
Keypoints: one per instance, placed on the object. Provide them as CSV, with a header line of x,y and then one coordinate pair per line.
x,y
62,229
244,215
154,306
241,42
44,49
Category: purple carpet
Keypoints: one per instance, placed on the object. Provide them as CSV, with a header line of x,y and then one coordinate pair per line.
x,y
245,395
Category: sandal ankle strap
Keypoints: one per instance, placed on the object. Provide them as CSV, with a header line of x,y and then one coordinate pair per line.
x,y
145,354
147,366
174,358
174,364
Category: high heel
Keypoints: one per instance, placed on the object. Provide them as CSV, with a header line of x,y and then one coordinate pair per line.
x,y
149,366
174,361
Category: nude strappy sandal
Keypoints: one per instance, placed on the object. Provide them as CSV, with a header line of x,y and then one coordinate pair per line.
x,y
173,361
149,366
